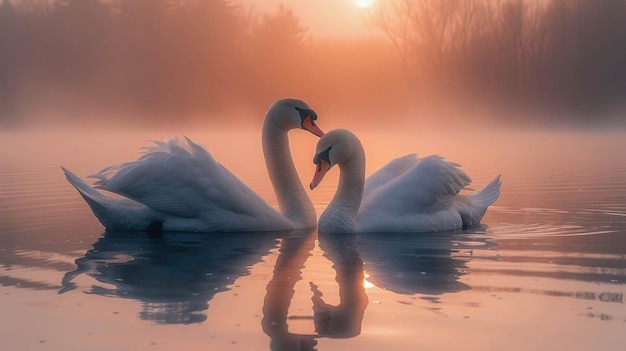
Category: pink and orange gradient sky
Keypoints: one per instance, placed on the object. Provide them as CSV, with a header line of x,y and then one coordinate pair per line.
x,y
324,18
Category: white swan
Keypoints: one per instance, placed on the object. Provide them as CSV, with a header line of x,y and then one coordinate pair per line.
x,y
409,194
178,186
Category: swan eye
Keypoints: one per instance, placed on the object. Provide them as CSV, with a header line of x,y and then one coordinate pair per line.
x,y
322,156
306,112
307,121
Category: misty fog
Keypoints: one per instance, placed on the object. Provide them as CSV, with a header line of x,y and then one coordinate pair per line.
x,y
160,63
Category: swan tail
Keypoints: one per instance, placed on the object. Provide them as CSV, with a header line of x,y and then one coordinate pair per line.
x,y
99,203
472,207
90,194
113,213
489,193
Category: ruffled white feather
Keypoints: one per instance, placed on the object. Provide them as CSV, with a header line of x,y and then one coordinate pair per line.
x,y
181,185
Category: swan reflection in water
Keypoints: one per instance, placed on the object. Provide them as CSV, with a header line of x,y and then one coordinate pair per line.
x,y
175,275
424,263
293,253
345,319
341,321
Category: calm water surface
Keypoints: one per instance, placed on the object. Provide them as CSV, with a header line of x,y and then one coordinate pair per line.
x,y
545,271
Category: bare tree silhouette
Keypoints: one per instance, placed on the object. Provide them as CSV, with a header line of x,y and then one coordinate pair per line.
x,y
555,54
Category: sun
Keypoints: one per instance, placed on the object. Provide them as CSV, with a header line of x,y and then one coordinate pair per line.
x,y
363,3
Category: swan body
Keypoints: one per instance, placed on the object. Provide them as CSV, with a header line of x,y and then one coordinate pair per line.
x,y
409,194
179,184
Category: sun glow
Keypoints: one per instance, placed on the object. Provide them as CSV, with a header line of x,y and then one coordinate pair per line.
x,y
363,3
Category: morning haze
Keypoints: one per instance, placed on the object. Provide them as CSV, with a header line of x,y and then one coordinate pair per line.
x,y
161,62
520,94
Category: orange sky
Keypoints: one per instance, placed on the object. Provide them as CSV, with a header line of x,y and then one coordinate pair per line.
x,y
323,18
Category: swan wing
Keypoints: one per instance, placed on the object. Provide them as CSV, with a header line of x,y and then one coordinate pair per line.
x,y
181,178
430,185
390,171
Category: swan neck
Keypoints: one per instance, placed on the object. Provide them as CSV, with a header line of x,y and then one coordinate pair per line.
x,y
293,201
342,211
351,184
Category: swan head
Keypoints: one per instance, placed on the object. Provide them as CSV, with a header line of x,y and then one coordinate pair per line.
x,y
334,148
294,114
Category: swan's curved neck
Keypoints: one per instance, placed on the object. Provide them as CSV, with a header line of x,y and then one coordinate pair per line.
x,y
341,213
351,184
293,201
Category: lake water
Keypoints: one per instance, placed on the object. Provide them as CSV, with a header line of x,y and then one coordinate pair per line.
x,y
545,271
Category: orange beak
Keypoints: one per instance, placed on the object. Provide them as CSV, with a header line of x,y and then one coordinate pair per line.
x,y
320,172
310,125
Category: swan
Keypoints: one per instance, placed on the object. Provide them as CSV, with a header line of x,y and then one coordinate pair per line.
x,y
408,194
178,186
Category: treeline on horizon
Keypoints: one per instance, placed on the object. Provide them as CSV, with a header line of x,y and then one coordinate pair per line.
x,y
166,59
